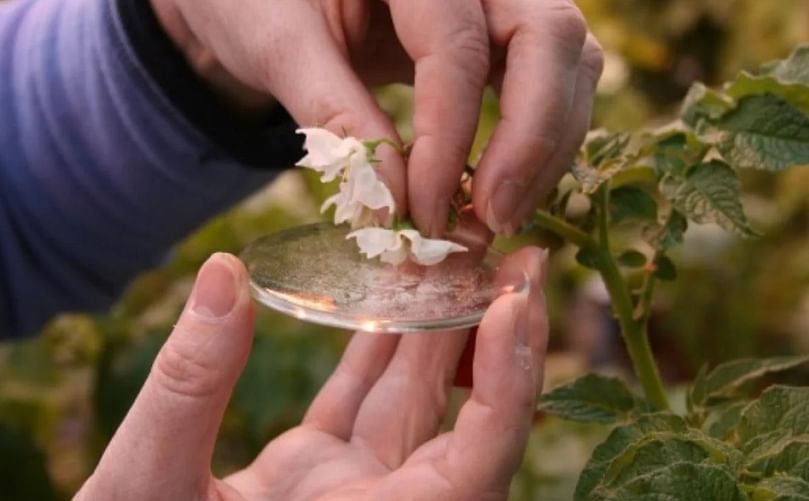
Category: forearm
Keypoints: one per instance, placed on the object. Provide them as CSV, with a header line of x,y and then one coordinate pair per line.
x,y
109,153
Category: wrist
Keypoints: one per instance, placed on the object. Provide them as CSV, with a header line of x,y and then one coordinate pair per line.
x,y
239,97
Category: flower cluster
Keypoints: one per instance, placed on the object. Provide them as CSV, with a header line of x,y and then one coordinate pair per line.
x,y
360,194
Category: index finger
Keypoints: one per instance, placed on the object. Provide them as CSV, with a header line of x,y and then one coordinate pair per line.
x,y
544,42
492,427
449,44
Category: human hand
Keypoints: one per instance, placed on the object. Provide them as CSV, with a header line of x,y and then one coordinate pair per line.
x,y
369,434
319,57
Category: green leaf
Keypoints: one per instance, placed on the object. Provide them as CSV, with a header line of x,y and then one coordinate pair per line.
x,y
760,444
619,440
632,259
789,455
661,449
788,78
680,481
674,151
763,132
726,379
781,408
794,69
590,178
665,236
589,257
702,103
592,398
631,203
781,488
726,419
747,84
710,193
602,146
664,268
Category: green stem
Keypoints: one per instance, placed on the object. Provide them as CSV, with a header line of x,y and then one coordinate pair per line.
x,y
633,331
562,228
644,307
635,335
373,145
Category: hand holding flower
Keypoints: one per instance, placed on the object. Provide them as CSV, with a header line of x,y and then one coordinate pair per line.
x,y
361,194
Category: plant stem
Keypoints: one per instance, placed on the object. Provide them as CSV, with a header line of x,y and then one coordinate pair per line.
x,y
632,329
562,228
372,146
634,333
644,307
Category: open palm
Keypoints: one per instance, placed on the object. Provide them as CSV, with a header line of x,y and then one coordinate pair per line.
x,y
371,431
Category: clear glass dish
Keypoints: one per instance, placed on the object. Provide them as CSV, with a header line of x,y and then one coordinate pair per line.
x,y
314,273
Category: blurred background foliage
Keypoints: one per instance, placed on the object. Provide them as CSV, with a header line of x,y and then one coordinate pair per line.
x,y
63,393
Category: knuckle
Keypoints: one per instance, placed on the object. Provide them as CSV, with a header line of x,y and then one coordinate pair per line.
x,y
567,24
570,21
179,371
469,46
592,58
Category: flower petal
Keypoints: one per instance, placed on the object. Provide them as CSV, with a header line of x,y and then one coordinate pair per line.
x,y
328,153
321,145
376,241
394,257
369,190
429,251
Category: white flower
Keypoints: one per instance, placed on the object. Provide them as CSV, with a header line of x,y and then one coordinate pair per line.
x,y
361,193
395,246
429,251
329,154
382,242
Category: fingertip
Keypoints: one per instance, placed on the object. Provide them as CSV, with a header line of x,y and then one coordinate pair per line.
x,y
220,290
393,172
531,262
431,185
501,328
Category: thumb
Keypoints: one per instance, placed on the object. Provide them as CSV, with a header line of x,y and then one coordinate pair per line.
x,y
166,441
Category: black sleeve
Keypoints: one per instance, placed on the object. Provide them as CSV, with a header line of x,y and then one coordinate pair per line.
x,y
267,143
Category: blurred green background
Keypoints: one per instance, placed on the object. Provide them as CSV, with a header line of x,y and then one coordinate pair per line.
x,y
63,393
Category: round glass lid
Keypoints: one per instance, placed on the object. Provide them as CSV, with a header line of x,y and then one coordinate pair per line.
x,y
314,273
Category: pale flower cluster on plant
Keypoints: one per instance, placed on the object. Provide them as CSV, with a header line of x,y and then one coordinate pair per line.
x,y
362,193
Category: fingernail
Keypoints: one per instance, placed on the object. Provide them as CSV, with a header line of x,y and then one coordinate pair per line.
x,y
522,346
214,293
502,206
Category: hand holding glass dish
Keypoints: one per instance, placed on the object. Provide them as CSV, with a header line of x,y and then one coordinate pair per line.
x,y
357,274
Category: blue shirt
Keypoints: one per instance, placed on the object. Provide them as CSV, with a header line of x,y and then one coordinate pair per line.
x,y
110,152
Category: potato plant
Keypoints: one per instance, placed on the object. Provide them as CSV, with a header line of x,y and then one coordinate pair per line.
x,y
727,444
